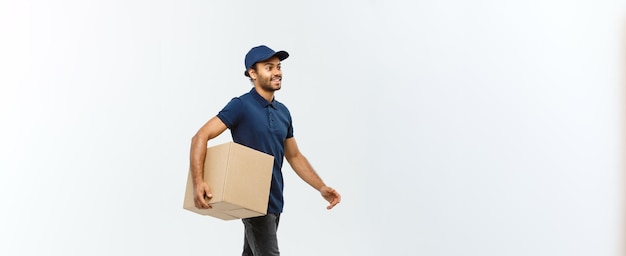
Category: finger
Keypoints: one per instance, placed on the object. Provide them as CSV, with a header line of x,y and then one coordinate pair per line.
x,y
333,196
207,198
334,202
197,203
205,202
201,203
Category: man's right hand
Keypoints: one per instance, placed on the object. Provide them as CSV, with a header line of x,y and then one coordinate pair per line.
x,y
202,191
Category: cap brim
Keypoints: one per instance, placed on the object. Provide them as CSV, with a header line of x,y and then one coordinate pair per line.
x,y
281,55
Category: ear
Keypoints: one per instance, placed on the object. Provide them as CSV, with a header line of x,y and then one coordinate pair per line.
x,y
252,74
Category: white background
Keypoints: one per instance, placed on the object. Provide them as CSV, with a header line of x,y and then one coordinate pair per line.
x,y
450,127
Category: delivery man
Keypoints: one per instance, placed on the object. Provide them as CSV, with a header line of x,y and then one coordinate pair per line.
x,y
257,120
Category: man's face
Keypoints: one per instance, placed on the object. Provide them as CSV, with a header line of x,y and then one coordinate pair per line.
x,y
268,74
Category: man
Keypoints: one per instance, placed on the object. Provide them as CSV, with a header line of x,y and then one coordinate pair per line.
x,y
258,121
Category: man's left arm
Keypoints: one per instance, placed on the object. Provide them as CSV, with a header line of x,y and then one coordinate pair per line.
x,y
303,168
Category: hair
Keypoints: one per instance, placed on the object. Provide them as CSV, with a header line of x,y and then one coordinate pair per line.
x,y
248,75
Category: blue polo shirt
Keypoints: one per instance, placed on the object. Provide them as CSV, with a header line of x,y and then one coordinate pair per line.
x,y
264,126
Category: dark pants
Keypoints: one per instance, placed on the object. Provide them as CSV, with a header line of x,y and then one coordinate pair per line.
x,y
260,235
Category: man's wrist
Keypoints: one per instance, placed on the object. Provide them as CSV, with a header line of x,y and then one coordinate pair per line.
x,y
197,181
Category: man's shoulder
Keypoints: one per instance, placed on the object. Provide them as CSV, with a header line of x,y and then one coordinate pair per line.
x,y
241,98
245,96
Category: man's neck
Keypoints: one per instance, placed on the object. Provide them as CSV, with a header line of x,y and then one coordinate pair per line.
x,y
267,95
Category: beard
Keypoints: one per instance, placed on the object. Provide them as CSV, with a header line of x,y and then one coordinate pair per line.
x,y
267,85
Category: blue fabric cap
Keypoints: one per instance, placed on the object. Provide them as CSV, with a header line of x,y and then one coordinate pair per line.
x,y
261,53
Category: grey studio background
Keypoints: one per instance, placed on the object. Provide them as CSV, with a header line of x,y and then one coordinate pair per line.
x,y
450,127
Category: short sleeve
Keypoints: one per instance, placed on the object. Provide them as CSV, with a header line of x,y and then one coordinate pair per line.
x,y
231,112
290,128
290,132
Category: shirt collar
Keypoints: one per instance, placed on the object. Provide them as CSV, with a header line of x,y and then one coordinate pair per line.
x,y
260,99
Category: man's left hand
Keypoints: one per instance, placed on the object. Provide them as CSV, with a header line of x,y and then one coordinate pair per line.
x,y
331,195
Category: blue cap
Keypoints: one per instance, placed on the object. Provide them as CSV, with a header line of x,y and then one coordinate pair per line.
x,y
261,53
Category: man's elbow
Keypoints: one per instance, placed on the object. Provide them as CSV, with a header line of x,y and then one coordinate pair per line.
x,y
294,157
291,158
197,138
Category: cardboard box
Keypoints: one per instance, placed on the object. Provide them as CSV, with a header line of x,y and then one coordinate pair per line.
x,y
239,178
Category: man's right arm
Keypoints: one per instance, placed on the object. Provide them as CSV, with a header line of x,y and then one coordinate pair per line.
x,y
210,130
